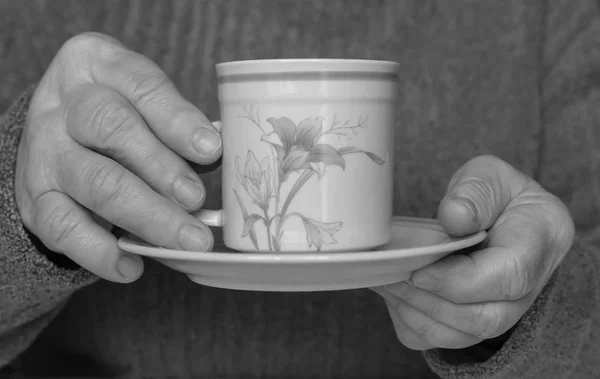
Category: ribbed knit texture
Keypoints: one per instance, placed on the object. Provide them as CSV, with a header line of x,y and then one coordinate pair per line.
x,y
516,79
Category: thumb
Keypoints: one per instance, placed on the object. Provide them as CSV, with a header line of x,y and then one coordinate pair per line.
x,y
478,193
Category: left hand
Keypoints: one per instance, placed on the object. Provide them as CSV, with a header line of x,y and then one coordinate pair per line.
x,y
463,299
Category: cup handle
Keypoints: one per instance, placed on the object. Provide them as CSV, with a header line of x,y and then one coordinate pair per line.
x,y
211,217
218,125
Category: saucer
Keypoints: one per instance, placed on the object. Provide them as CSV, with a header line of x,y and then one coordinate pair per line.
x,y
416,242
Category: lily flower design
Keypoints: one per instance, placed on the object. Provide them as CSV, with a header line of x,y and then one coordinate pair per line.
x,y
296,148
258,179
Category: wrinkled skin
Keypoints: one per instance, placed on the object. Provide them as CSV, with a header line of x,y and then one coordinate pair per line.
x,y
462,299
108,142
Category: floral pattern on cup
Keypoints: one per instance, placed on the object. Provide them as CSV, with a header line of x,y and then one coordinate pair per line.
x,y
295,148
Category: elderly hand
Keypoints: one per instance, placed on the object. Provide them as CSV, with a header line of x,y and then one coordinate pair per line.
x,y
463,299
107,140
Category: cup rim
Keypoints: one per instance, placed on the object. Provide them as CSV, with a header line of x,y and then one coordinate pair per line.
x,y
305,65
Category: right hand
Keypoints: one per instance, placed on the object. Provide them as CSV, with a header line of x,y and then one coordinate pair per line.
x,y
106,141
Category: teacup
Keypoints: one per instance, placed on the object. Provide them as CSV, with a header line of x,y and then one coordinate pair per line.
x,y
308,151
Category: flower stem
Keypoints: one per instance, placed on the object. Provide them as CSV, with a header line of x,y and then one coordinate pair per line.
x,y
292,214
268,225
277,219
299,183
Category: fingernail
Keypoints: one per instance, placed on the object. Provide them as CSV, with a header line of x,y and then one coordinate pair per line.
x,y
187,192
399,289
194,239
426,281
129,267
467,204
206,141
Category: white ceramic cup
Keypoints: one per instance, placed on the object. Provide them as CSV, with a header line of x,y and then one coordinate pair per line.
x,y
308,151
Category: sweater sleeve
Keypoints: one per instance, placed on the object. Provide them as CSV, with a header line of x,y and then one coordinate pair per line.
x,y
559,336
34,282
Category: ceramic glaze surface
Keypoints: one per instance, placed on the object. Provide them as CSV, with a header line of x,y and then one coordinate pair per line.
x,y
414,244
307,154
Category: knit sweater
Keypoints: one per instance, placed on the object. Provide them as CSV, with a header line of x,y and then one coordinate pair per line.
x,y
511,78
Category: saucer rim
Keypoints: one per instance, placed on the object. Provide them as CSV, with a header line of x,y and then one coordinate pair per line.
x,y
131,246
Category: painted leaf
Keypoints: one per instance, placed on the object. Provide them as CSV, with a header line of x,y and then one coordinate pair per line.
x,y
276,168
274,174
319,233
264,193
309,131
285,129
294,160
252,170
280,154
274,220
249,223
318,167
269,177
375,158
252,190
280,174
353,150
326,154
239,170
255,179
272,138
245,216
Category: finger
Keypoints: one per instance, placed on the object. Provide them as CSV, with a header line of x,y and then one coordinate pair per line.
x,y
108,189
530,232
406,335
524,247
482,320
478,193
103,120
413,322
175,121
65,227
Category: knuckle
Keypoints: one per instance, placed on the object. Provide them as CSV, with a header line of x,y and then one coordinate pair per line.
x,y
491,163
434,310
408,296
478,190
158,215
481,187
35,175
146,87
425,330
61,225
162,216
106,184
486,321
562,225
515,282
488,160
89,43
155,161
112,122
58,222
